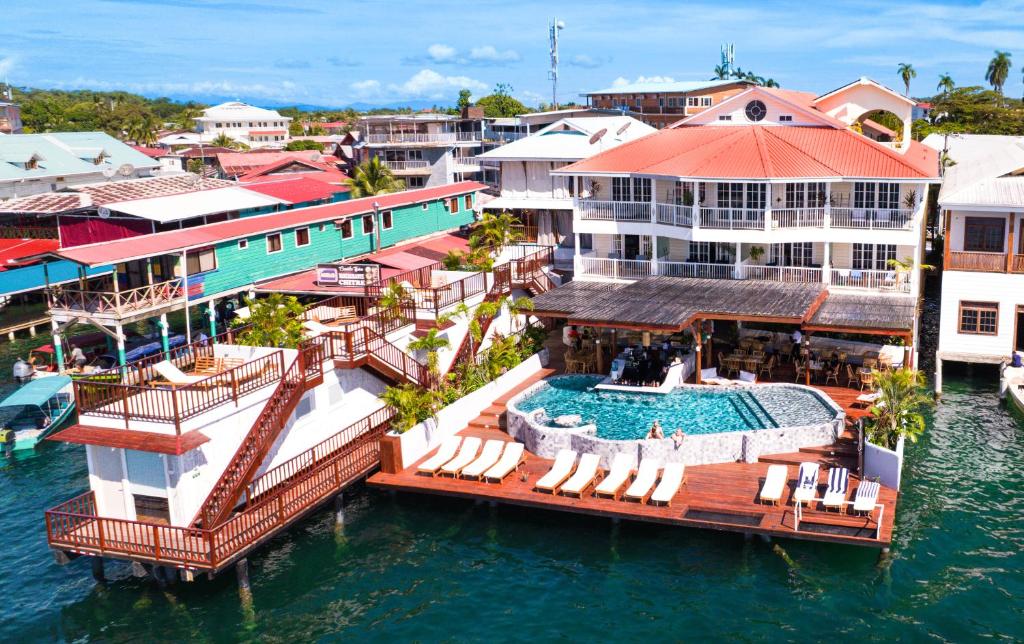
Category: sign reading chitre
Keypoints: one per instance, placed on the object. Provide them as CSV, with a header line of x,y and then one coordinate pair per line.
x,y
347,274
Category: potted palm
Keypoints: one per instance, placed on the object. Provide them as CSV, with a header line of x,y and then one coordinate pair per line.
x,y
898,412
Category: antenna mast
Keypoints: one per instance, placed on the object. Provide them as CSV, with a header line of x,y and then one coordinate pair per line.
x,y
556,26
728,58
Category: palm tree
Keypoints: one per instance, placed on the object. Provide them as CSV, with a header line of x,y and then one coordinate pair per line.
x,y
392,299
946,84
721,72
906,72
904,266
373,178
274,321
224,141
431,343
411,404
186,118
517,307
898,411
999,70
495,232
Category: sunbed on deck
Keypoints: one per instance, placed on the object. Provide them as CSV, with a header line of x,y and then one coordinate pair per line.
x,y
174,376
838,485
866,497
488,457
611,485
806,483
444,454
509,461
584,476
774,484
560,470
646,476
470,446
671,478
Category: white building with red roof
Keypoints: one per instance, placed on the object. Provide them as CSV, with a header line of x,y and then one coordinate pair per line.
x,y
254,126
769,184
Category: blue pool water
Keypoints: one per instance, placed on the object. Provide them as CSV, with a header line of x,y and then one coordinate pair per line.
x,y
628,416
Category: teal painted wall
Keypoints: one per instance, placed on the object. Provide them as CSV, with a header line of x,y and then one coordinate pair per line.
x,y
239,267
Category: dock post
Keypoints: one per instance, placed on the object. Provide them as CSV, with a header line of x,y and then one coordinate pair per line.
x,y
245,591
97,569
339,511
938,377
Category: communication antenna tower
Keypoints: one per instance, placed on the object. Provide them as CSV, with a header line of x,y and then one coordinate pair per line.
x,y
556,26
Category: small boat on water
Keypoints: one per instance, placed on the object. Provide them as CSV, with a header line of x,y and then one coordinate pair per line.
x,y
34,411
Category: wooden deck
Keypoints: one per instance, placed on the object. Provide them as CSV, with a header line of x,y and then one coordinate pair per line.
x,y
718,497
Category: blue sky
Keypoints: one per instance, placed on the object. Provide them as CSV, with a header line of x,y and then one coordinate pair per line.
x,y
336,52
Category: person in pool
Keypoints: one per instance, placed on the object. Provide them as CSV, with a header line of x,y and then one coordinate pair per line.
x,y
656,430
677,438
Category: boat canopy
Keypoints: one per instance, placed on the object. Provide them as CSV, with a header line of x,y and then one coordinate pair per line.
x,y
36,392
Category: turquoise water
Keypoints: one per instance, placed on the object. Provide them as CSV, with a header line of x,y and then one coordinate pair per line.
x,y
427,569
626,416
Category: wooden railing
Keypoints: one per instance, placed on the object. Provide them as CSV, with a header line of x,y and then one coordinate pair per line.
x,y
175,405
977,261
1017,265
250,453
437,299
72,300
524,233
285,493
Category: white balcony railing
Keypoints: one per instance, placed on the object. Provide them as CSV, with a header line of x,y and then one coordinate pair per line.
x,y
591,209
400,166
732,218
696,269
628,269
872,218
801,274
798,218
874,279
675,215
423,137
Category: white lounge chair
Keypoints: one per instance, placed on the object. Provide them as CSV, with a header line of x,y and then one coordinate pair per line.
x,y
866,497
175,376
806,483
560,470
488,457
774,484
646,476
583,477
747,378
838,485
509,461
710,377
622,466
316,328
467,452
444,454
671,478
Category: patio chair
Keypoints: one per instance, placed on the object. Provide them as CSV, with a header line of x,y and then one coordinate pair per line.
x,y
174,376
646,476
611,485
672,478
866,400
806,483
583,477
801,368
838,483
833,375
867,380
208,365
466,455
747,378
774,484
766,367
488,457
509,462
444,454
851,375
560,470
866,498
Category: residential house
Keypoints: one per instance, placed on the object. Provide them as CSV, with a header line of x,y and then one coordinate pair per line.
x,y
660,104
254,126
10,118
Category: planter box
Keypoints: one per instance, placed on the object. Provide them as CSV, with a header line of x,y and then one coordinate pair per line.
x,y
391,453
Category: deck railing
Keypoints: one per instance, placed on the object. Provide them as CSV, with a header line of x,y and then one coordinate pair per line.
x,y
592,209
627,269
1017,264
407,166
732,218
799,510
696,269
423,137
872,218
439,298
331,465
73,300
977,261
875,279
780,273
798,218
674,215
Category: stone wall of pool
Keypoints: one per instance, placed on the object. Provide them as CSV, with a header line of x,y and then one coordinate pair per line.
x,y
545,440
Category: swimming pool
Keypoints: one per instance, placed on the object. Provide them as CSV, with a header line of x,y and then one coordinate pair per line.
x,y
695,410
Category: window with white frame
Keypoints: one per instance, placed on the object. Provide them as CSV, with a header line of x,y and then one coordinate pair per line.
x,y
617,246
620,188
274,243
795,254
757,196
641,189
301,237
725,117
795,195
243,244
586,241
889,196
672,102
730,195
346,229
785,118
201,260
868,257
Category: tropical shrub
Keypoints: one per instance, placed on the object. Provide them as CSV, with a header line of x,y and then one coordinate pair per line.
x,y
274,321
412,405
899,410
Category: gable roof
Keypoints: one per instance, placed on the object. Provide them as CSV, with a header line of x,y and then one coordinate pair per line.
x,y
235,164
109,192
759,152
986,173
320,171
66,153
864,80
123,250
298,189
569,139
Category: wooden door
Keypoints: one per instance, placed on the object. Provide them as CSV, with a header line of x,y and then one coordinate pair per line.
x,y
152,509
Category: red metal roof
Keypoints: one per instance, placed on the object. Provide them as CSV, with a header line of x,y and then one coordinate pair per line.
x,y
12,251
320,171
252,132
153,153
177,240
296,189
237,163
761,152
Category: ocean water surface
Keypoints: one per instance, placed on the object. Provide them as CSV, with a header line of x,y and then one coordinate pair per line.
x,y
415,567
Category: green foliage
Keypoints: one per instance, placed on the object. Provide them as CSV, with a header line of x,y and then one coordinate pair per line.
x,y
392,299
412,405
973,110
431,343
907,73
500,103
195,166
899,411
295,128
463,101
998,70
373,178
274,321
304,144
494,232
222,140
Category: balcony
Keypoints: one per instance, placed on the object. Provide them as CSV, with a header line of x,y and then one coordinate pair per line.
x,y
112,304
873,280
683,216
423,137
980,262
408,167
702,270
465,165
626,269
801,274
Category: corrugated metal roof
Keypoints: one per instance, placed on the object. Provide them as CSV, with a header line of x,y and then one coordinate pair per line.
x,y
295,189
178,240
569,139
760,152
194,204
983,169
66,153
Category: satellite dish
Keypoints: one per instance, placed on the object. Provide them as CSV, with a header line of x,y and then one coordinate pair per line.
x,y
126,170
625,126
316,156
103,212
597,135
109,171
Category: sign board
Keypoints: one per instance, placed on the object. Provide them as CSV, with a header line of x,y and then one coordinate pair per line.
x,y
353,275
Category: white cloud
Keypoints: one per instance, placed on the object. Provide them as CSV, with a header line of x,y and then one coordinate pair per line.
x,y
621,81
366,88
427,83
6,65
283,90
587,62
489,54
441,53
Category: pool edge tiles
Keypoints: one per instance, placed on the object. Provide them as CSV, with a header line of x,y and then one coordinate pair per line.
x,y
744,444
